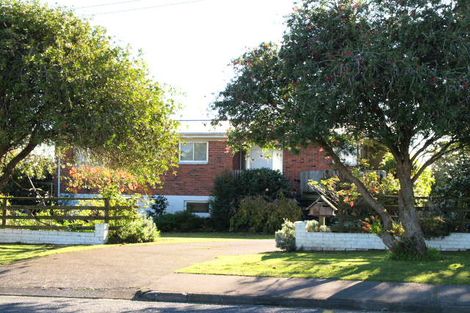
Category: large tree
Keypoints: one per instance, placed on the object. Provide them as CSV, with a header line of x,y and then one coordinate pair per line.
x,y
65,82
393,71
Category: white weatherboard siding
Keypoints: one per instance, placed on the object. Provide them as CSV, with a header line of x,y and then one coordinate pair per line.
x,y
99,236
178,203
326,241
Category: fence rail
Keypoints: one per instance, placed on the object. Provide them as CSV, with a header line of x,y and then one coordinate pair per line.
x,y
53,213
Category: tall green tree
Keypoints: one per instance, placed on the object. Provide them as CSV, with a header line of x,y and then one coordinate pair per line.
x,y
65,82
393,71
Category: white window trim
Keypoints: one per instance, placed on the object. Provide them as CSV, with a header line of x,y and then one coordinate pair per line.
x,y
197,201
193,162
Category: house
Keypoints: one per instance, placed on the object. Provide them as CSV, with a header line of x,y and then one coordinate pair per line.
x,y
204,154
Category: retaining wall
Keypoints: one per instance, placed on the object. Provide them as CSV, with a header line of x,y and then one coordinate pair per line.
x,y
326,241
99,236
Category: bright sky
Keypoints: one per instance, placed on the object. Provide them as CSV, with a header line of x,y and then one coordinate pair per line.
x,y
188,44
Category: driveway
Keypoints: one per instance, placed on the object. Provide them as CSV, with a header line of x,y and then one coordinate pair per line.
x,y
120,267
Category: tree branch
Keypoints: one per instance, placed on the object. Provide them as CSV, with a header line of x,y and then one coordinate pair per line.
x,y
428,142
387,237
444,150
8,169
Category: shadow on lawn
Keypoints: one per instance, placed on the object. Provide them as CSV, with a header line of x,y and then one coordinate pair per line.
x,y
453,268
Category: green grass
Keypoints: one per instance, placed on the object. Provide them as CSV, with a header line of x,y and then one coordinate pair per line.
x,y
452,268
10,253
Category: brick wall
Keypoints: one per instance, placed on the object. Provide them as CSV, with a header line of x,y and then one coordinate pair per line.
x,y
198,179
308,159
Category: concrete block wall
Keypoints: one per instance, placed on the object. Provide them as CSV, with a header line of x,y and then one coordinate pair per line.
x,y
99,236
318,241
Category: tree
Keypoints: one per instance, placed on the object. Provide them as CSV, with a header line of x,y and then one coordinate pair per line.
x,y
392,71
64,82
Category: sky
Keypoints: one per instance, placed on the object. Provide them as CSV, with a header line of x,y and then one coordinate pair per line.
x,y
188,44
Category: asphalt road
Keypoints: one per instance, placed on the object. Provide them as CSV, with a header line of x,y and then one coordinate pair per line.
x,y
14,304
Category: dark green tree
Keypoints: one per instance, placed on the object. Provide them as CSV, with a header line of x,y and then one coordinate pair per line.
x,y
64,82
392,71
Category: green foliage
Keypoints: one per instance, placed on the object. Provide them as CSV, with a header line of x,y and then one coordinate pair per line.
x,y
230,188
312,226
453,176
256,214
137,230
404,251
393,72
183,221
285,237
65,82
158,207
32,177
435,227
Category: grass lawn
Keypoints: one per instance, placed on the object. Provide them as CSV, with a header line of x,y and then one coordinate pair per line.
x,y
453,268
10,253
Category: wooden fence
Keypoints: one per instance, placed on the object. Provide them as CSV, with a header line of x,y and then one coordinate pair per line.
x,y
58,213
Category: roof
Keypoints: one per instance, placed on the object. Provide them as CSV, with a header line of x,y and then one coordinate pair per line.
x,y
203,129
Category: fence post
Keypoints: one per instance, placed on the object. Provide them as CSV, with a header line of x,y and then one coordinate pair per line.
x,y
4,211
106,210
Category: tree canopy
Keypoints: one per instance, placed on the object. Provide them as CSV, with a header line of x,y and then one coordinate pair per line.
x,y
65,82
392,71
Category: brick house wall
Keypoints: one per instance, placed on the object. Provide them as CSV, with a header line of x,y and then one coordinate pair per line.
x,y
308,159
198,179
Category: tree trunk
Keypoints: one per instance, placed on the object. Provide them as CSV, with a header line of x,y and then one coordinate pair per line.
x,y
387,236
406,206
8,169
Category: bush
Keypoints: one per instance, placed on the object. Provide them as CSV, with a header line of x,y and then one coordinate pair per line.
x,y
406,251
183,221
141,229
256,214
313,226
285,237
229,189
434,226
158,207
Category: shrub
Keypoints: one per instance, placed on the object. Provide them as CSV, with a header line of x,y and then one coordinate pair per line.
x,y
229,189
256,214
158,207
347,226
434,226
311,226
406,251
285,237
141,229
183,221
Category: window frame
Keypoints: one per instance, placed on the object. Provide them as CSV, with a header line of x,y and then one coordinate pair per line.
x,y
186,202
206,161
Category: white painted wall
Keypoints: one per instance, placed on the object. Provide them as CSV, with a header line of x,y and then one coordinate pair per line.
x,y
99,236
318,241
177,203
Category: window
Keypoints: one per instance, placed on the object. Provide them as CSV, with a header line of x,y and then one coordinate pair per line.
x,y
193,152
197,206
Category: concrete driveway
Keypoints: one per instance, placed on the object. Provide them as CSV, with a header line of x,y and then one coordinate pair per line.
x,y
120,267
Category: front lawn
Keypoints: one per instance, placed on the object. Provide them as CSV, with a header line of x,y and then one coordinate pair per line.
x,y
10,253
453,268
